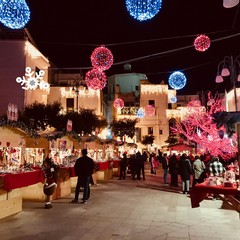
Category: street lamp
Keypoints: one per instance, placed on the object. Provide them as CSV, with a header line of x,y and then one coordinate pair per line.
x,y
230,3
77,85
230,67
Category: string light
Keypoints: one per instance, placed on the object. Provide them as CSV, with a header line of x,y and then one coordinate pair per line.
x,y
102,58
118,103
177,80
96,79
14,14
143,9
202,43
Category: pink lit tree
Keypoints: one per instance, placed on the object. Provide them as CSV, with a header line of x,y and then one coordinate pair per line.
x,y
200,127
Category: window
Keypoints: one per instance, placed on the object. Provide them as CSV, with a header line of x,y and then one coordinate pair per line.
x,y
138,134
160,132
150,130
136,88
151,102
70,104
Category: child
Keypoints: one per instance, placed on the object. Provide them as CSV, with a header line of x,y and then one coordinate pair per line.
x,y
50,174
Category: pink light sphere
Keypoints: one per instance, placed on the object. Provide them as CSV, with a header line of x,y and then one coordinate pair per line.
x,y
149,110
102,58
96,79
118,103
202,43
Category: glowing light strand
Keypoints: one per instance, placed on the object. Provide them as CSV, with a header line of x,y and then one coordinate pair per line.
x,y
14,14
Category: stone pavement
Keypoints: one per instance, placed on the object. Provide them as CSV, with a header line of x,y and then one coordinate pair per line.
x,y
124,210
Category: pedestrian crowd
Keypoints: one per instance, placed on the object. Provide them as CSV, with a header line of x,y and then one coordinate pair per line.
x,y
187,169
184,169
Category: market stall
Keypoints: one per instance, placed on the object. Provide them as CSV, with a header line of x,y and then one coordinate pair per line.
x,y
200,192
12,146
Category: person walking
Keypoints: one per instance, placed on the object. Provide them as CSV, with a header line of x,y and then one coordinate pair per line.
x,y
155,164
50,174
198,170
83,168
123,167
185,171
173,170
165,167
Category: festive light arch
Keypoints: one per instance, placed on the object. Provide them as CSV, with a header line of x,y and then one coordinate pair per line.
x,y
96,79
14,14
143,9
202,43
118,103
102,58
177,80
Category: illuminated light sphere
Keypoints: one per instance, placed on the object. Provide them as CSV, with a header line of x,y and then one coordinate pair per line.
x,y
118,103
14,14
143,10
150,110
96,79
177,80
141,113
202,43
173,99
102,58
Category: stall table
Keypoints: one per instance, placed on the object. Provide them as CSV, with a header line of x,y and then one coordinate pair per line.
x,y
11,190
228,194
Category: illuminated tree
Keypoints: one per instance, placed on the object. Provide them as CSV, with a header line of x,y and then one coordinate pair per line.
x,y
199,127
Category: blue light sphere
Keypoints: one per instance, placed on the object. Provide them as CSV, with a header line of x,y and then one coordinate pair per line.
x,y
177,80
143,10
141,113
14,14
173,99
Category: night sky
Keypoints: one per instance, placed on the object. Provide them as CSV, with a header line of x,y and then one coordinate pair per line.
x,y
68,31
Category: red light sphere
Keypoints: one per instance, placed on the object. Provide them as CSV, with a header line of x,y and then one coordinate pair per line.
x,y
118,103
202,43
102,58
96,79
149,110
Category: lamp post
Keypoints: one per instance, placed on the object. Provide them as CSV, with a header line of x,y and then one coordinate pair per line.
x,y
77,85
229,67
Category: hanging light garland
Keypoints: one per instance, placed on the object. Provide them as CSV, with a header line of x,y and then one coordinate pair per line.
x,y
118,103
150,110
143,9
177,80
102,58
202,43
141,113
96,79
14,14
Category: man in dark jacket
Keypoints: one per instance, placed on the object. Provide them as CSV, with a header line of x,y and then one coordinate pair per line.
x,y
83,168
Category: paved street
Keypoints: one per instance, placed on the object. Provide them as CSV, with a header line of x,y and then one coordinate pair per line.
x,y
124,209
